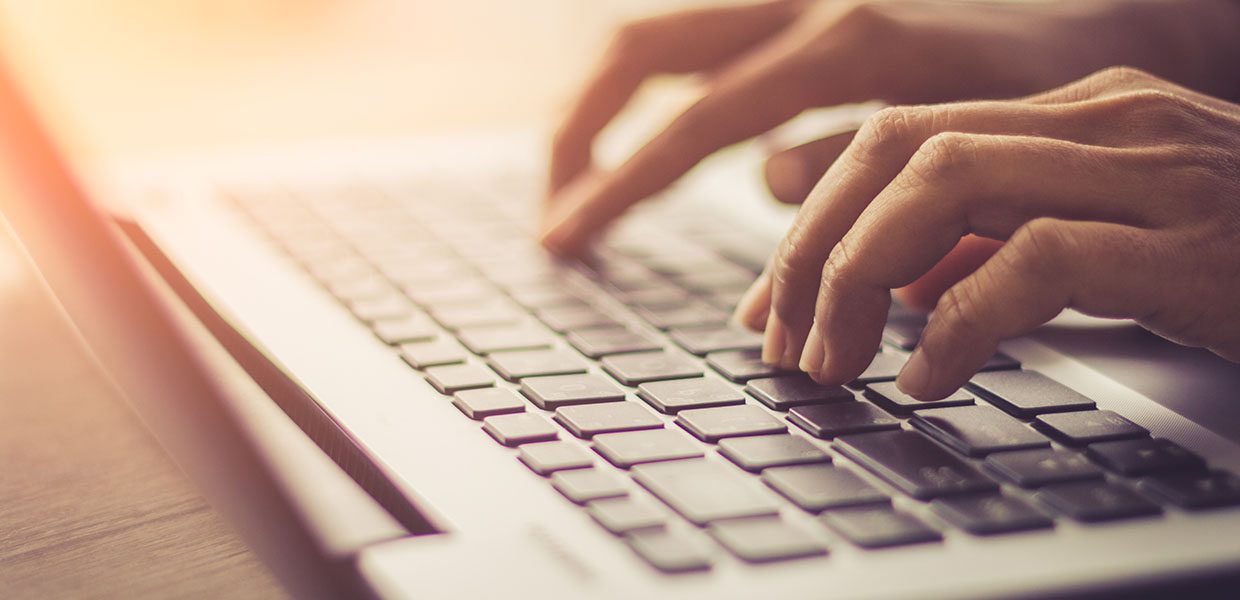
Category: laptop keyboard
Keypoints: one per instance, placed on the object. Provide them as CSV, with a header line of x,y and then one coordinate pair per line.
x,y
625,371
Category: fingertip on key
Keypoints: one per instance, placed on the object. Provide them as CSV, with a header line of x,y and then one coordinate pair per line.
x,y
914,378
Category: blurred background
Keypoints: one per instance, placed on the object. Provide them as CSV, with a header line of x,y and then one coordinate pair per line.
x,y
148,77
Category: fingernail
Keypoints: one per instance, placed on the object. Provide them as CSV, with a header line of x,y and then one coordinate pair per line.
x,y
753,304
914,378
774,340
814,353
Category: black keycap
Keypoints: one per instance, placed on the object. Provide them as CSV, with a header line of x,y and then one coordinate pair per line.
x,y
432,354
819,487
623,515
546,458
914,464
1089,426
704,340
641,367
653,445
1143,456
485,340
888,396
1026,394
492,313
519,428
1000,362
485,402
703,491
597,343
978,430
742,365
550,393
588,420
989,514
1035,468
884,367
690,314
415,328
765,539
1093,501
584,485
763,451
1194,490
843,418
515,366
699,392
667,551
714,424
879,526
450,379
572,318
786,391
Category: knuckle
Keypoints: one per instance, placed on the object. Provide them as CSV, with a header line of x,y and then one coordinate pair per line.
x,y
868,17
840,267
956,316
631,37
942,158
889,128
1042,248
1124,75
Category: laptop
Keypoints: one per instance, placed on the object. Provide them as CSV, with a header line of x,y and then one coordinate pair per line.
x,y
444,410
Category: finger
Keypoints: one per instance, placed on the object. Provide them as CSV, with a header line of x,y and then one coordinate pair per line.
x,y
1118,81
1031,279
684,42
792,173
751,98
969,254
755,306
956,184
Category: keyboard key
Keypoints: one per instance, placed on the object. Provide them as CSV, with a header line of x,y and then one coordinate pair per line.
x,y
1143,456
588,420
888,396
668,552
765,539
641,367
760,452
786,391
819,487
570,318
458,292
584,485
1194,490
450,379
482,403
689,314
704,491
542,295
1093,501
432,354
515,366
636,447
546,458
485,340
991,514
704,340
408,329
520,428
1026,394
903,333
700,392
978,430
879,526
914,464
1035,468
622,515
1087,427
843,418
550,393
391,306
597,343
661,296
1000,362
884,367
741,366
483,314
714,424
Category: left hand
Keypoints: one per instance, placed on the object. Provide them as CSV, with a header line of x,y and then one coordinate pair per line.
x,y
1118,195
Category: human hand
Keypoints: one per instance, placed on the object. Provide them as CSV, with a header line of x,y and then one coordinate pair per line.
x,y
765,63
1118,195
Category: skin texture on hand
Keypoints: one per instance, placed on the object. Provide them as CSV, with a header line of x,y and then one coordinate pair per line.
x,y
765,63
1117,195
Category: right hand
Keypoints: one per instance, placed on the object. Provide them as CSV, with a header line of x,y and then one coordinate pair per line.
x,y
765,63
